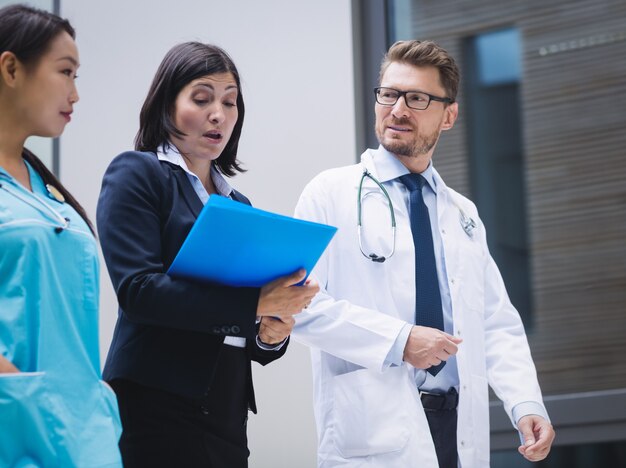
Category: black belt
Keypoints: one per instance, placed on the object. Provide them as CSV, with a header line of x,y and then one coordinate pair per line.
x,y
440,401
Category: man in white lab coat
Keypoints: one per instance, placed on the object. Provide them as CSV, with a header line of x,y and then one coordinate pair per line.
x,y
389,390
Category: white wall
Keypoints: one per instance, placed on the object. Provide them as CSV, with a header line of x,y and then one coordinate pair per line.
x,y
295,59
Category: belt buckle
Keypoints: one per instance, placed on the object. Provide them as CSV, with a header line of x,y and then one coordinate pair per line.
x,y
446,401
432,397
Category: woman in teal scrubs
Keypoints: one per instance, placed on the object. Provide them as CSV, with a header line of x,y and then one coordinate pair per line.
x,y
54,409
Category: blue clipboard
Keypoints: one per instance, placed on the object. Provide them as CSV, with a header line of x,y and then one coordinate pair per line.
x,y
237,245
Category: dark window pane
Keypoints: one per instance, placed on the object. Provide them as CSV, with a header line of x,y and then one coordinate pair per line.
x,y
608,455
498,55
493,64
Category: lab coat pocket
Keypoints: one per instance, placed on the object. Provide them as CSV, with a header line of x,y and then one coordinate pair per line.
x,y
29,421
367,418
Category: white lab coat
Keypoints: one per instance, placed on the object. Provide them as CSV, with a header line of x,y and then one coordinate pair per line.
x,y
369,414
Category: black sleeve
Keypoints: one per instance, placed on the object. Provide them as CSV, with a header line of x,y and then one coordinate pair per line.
x,y
130,219
263,356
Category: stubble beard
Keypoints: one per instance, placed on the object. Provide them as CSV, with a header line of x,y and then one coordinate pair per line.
x,y
421,146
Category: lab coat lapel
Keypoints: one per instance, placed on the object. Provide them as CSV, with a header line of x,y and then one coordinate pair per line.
x,y
442,196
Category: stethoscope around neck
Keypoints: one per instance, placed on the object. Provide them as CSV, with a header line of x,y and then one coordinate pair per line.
x,y
467,223
372,256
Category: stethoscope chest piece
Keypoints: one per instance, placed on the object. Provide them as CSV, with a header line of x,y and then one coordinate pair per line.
x,y
467,223
54,193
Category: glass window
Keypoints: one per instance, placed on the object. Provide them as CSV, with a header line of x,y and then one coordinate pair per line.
x,y
400,24
492,62
539,145
608,454
498,55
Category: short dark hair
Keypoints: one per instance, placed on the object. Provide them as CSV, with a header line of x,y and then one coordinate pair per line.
x,y
181,65
28,32
425,54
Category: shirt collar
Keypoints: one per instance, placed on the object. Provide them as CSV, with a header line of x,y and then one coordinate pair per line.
x,y
168,152
36,181
389,167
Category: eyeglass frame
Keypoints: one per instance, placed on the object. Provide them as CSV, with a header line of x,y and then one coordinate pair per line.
x,y
404,93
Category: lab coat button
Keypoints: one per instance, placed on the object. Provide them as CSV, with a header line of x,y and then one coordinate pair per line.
x,y
453,281
443,231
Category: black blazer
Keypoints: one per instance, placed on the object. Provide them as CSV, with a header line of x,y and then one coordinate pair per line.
x,y
169,331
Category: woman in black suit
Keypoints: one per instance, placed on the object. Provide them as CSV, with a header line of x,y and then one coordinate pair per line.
x,y
181,351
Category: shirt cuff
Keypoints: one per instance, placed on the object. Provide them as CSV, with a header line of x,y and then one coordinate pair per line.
x,y
526,408
396,353
267,347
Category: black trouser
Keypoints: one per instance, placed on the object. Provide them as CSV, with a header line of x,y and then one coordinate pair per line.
x,y
161,429
442,419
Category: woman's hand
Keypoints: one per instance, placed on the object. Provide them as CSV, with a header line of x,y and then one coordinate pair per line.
x,y
274,330
7,366
283,298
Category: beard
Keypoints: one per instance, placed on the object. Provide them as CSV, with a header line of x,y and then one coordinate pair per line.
x,y
421,144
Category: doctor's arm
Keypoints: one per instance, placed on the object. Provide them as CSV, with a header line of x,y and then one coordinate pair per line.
x,y
511,370
350,332
346,330
360,335
426,347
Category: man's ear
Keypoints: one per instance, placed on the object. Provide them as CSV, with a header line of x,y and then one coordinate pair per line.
x,y
9,68
451,113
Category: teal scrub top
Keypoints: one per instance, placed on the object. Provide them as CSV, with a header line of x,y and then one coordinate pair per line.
x,y
57,412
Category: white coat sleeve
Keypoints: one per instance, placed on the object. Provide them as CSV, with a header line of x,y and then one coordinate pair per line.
x,y
350,332
510,368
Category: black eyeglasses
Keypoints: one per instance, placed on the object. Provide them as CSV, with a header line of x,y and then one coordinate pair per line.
x,y
414,99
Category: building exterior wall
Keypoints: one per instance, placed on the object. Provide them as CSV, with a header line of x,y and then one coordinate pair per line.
x,y
573,96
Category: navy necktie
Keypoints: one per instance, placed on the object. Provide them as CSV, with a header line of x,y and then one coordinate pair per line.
x,y
428,310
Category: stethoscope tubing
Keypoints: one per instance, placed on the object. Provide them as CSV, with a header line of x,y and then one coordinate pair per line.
x,y
467,223
372,256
